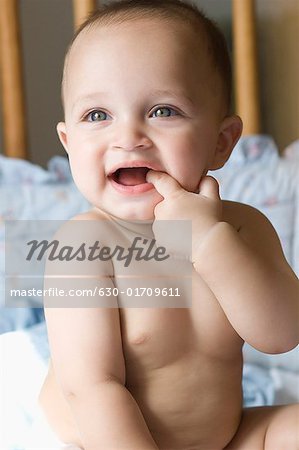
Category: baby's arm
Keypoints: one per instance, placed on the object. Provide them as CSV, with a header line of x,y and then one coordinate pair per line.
x,y
248,274
87,356
86,349
245,269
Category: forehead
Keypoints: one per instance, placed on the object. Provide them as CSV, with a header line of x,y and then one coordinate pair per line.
x,y
132,59
143,31
144,43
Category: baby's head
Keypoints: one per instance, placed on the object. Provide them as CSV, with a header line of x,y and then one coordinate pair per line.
x,y
146,84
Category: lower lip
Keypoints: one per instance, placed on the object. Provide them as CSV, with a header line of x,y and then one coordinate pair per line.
x,y
131,190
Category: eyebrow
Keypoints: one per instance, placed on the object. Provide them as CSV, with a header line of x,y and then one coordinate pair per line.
x,y
88,97
180,96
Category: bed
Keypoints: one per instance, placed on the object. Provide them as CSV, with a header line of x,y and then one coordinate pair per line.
x,y
257,174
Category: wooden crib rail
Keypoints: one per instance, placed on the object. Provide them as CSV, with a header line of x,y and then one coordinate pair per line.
x,y
81,10
11,74
12,88
246,83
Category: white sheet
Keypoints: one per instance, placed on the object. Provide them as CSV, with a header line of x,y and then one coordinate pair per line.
x,y
23,369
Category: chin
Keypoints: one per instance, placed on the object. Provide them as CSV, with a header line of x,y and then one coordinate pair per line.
x,y
135,215
134,211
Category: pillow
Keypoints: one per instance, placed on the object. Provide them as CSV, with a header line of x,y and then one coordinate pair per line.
x,y
14,171
29,192
292,155
256,175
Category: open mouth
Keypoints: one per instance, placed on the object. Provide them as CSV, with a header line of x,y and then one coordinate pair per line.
x,y
130,176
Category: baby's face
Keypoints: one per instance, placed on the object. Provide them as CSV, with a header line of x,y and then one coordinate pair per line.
x,y
138,96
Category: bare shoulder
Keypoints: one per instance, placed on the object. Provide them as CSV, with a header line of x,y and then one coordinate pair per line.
x,y
78,242
241,216
255,229
88,225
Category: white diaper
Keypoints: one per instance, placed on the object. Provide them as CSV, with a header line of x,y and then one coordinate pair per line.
x,y
41,437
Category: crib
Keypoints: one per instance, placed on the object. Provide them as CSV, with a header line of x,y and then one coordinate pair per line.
x,y
13,96
257,174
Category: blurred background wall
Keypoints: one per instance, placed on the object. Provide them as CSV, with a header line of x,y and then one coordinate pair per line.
x,y
47,28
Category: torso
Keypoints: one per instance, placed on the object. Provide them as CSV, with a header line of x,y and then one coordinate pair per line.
x,y
183,367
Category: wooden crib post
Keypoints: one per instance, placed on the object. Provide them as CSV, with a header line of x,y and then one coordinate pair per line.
x,y
81,10
12,90
246,65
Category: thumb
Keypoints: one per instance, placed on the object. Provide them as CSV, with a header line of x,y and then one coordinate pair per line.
x,y
163,182
209,187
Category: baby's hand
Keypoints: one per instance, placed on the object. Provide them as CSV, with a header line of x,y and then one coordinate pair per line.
x,y
203,209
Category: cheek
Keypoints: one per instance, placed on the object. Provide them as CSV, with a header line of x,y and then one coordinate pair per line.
x,y
87,173
85,157
191,175
187,165
191,156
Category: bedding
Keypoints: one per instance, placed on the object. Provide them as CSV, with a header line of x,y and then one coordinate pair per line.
x,y
29,192
255,174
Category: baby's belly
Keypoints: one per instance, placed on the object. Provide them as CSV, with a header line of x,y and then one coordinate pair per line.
x,y
193,404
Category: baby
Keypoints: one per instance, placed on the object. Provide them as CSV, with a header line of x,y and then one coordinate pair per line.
x,y
146,93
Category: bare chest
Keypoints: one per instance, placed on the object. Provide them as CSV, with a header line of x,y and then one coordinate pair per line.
x,y
155,337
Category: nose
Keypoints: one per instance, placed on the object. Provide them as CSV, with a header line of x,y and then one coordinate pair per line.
x,y
131,136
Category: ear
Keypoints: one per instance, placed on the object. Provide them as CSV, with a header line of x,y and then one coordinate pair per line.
x,y
229,134
61,131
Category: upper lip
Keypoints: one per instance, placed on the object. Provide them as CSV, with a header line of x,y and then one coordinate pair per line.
x,y
136,163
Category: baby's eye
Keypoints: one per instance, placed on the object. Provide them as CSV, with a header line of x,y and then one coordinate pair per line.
x,y
96,116
164,111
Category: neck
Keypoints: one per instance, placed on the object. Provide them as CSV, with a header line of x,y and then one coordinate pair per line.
x,y
138,227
